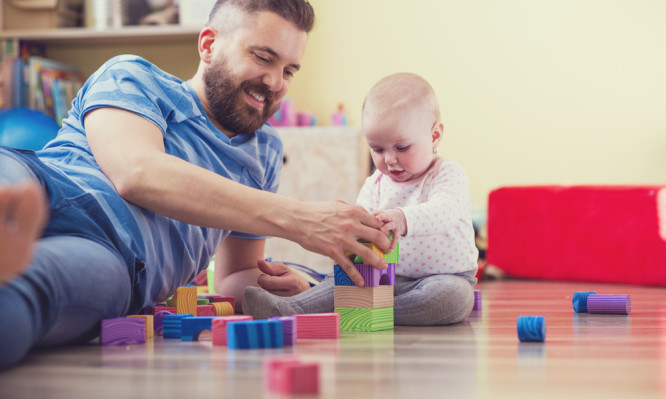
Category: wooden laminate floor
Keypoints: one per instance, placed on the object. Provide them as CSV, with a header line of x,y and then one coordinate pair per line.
x,y
584,356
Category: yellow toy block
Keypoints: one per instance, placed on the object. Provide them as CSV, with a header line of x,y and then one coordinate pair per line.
x,y
223,308
349,296
185,300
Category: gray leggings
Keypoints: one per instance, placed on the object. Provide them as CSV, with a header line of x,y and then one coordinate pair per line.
x,y
427,301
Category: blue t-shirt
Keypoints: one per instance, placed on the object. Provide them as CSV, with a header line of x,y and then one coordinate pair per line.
x,y
164,253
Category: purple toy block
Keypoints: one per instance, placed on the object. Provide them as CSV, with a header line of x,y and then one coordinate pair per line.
x,y
288,328
123,331
372,276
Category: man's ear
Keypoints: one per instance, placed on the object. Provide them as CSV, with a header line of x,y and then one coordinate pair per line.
x,y
206,41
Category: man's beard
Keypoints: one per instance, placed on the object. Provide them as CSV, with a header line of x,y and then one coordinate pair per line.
x,y
226,103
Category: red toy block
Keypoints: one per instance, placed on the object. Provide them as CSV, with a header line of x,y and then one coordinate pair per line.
x,y
613,234
290,376
318,325
220,327
206,310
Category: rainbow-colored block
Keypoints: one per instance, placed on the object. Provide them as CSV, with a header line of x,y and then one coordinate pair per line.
x,y
368,308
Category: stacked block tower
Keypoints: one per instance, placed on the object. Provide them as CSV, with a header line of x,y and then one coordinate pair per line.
x,y
368,308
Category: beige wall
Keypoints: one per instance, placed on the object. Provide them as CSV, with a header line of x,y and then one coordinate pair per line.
x,y
532,91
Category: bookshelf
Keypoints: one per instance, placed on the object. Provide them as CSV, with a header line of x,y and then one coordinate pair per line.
x,y
89,36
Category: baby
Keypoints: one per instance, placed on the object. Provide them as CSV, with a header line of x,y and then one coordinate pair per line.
x,y
422,199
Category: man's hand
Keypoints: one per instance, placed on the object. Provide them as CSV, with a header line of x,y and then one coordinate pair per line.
x,y
279,279
334,228
393,221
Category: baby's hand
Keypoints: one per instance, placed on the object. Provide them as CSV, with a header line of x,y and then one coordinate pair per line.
x,y
394,221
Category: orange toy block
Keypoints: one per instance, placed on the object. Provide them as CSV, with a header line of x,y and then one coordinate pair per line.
x,y
185,300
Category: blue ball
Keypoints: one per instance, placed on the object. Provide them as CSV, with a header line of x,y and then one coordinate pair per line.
x,y
27,129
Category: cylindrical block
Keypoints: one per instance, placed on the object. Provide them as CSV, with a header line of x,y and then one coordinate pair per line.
x,y
609,304
579,301
531,328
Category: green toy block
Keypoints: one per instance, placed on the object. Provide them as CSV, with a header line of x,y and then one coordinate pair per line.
x,y
357,319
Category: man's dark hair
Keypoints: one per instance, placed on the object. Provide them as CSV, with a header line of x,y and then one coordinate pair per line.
x,y
298,12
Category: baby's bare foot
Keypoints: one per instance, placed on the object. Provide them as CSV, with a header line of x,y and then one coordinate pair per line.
x,y
22,218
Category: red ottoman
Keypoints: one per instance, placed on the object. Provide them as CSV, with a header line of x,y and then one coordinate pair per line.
x,y
614,234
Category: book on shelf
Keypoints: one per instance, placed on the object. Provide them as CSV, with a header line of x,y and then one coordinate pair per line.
x,y
39,83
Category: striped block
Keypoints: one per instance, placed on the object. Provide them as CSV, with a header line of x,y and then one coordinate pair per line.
x,y
193,326
318,325
478,300
609,304
355,319
150,329
185,300
219,326
123,331
289,329
363,297
172,325
223,308
290,376
371,275
255,334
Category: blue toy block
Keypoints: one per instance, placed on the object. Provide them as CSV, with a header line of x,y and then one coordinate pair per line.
x,y
255,334
172,325
372,276
193,326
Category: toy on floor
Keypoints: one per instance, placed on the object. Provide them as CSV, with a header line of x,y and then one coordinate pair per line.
x,y
591,302
368,308
291,376
123,331
531,328
477,300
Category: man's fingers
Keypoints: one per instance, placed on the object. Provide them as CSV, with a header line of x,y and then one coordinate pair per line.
x,y
351,271
273,269
282,286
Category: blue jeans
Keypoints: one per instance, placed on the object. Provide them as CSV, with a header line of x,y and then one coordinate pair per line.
x,y
71,284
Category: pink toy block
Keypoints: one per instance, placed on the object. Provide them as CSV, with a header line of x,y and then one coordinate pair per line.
x,y
158,308
123,331
220,327
206,310
219,298
290,376
318,325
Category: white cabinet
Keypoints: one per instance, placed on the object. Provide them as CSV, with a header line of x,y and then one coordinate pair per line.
x,y
322,163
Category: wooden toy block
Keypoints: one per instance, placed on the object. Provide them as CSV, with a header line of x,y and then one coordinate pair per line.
x,y
291,376
206,310
202,301
193,326
150,329
123,331
318,325
391,257
220,298
289,331
172,325
185,300
255,334
363,297
372,276
355,319
223,308
219,325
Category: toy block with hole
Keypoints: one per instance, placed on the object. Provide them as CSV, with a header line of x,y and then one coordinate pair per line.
x,y
172,325
318,325
223,308
255,334
123,331
291,376
150,329
371,276
288,329
357,319
185,300
193,326
363,297
219,326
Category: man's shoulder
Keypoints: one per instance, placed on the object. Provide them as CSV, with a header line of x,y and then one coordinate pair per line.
x,y
134,65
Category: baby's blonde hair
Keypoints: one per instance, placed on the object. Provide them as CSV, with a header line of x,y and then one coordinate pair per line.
x,y
400,92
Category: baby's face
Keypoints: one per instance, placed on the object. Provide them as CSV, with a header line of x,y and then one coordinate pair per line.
x,y
401,143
